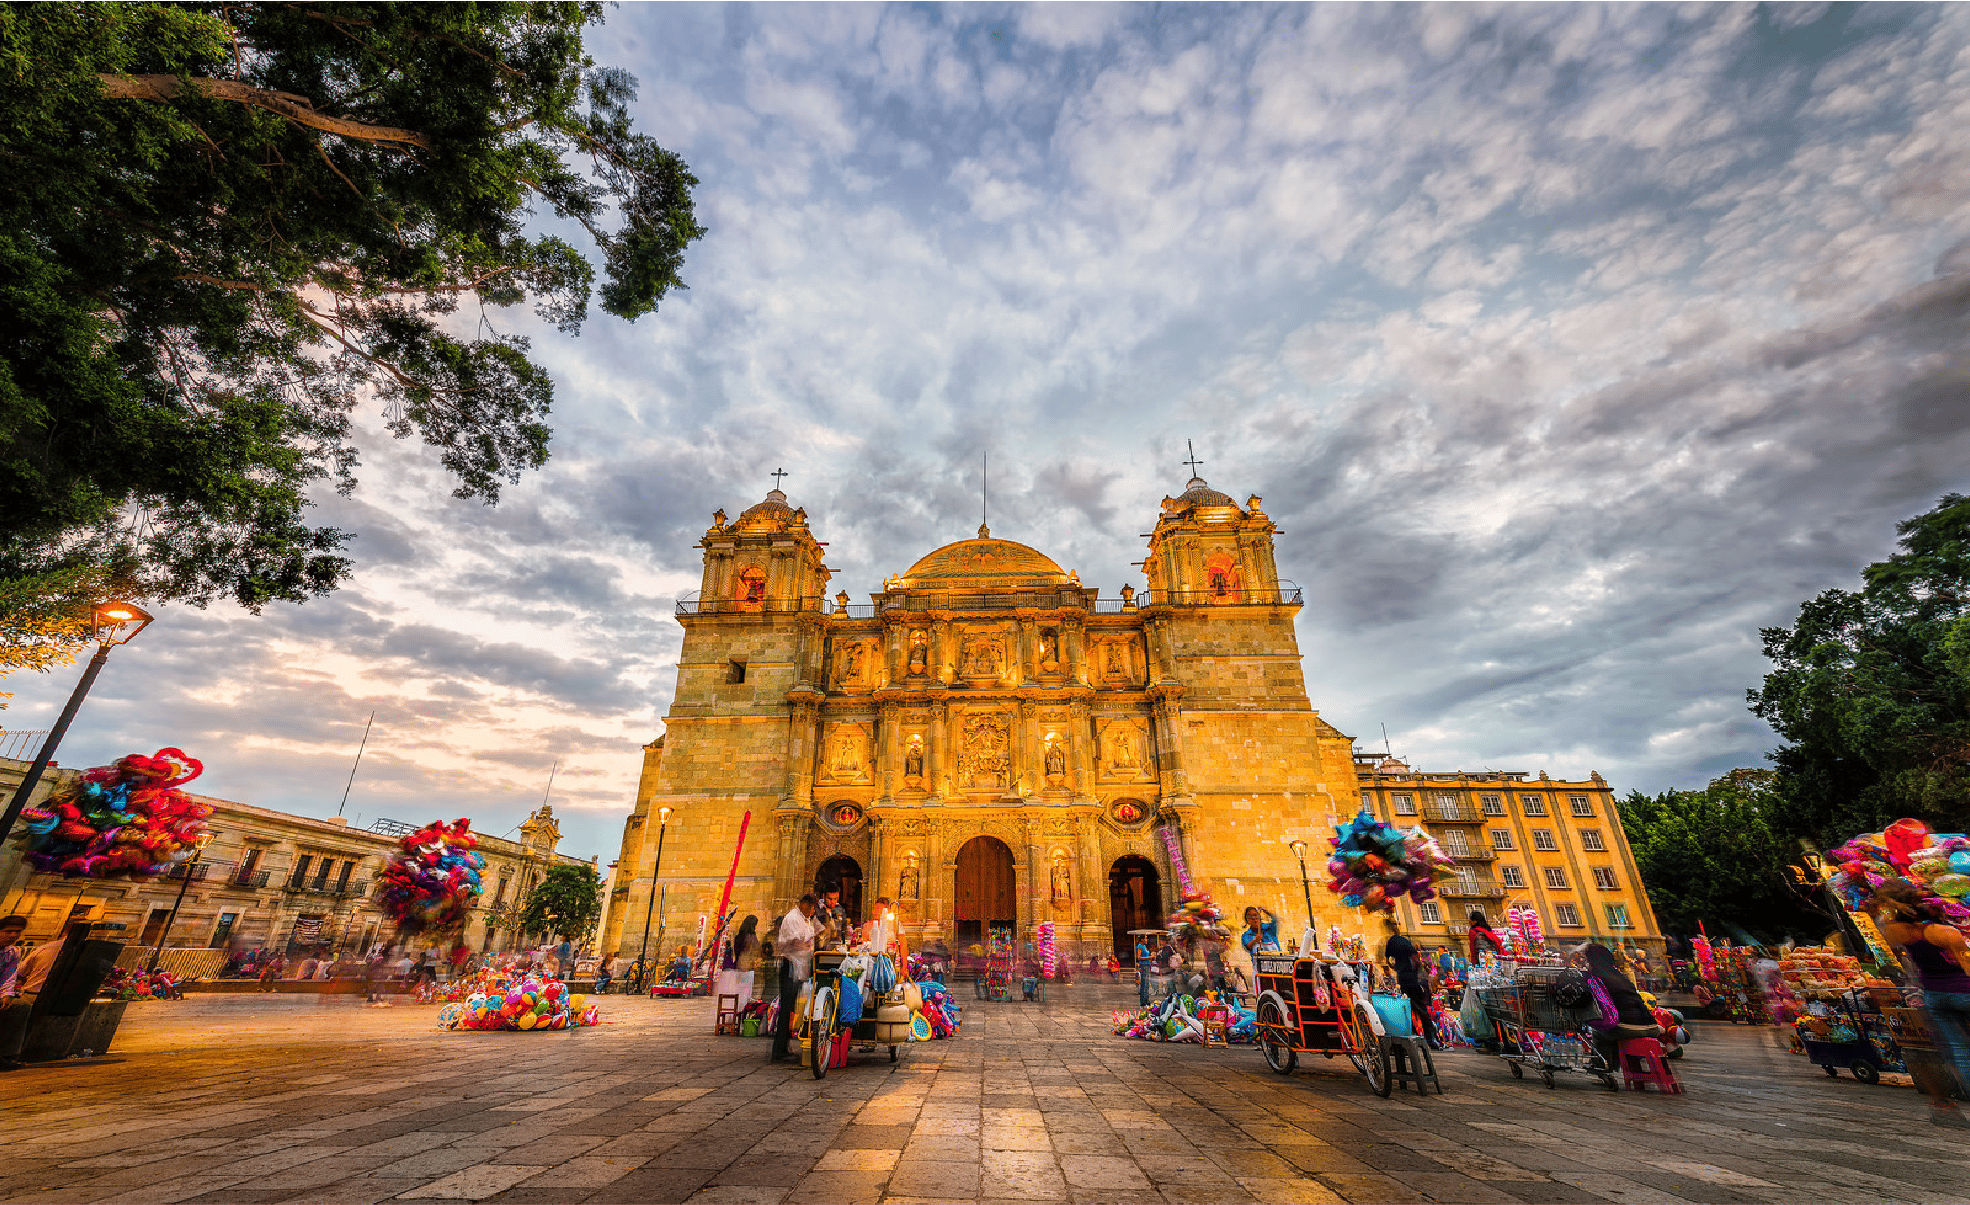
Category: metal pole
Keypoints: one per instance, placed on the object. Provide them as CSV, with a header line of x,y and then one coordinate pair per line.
x,y
173,918
642,954
55,734
1306,892
353,766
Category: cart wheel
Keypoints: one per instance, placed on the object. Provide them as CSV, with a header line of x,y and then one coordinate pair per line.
x,y
1518,1072
1546,1078
1272,1027
821,1031
892,1054
1865,1072
1831,1072
1373,1058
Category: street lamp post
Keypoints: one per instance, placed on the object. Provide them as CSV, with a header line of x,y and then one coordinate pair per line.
x,y
642,954
1306,890
198,848
114,623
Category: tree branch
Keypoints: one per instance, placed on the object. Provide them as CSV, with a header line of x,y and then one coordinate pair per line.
x,y
298,109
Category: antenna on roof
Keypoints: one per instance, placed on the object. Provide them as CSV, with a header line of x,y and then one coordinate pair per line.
x,y
353,765
1193,462
550,782
984,492
1385,741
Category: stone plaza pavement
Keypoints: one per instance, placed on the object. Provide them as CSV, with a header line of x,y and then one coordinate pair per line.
x,y
273,1098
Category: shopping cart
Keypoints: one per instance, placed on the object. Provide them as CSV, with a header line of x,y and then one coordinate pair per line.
x,y
1541,1023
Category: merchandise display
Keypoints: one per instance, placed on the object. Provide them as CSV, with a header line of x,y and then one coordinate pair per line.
x,y
1375,863
432,879
1181,1018
520,1004
126,820
1937,863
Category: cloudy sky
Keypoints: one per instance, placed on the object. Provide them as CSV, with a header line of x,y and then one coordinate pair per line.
x,y
1569,346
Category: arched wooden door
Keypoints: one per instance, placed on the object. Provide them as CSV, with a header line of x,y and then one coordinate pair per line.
x,y
1135,899
986,894
844,872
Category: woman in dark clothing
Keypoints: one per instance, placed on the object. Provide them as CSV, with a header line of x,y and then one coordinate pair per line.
x,y
1630,1017
1401,954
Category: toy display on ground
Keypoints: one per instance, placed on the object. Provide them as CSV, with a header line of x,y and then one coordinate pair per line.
x,y
127,984
522,1004
432,879
1181,1018
126,820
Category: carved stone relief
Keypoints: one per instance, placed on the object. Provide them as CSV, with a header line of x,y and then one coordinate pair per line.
x,y
985,751
1124,751
845,754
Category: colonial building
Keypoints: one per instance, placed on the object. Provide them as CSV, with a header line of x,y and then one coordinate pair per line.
x,y
989,742
268,880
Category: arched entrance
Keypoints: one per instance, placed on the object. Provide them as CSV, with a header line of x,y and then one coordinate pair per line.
x,y
986,895
844,872
1135,899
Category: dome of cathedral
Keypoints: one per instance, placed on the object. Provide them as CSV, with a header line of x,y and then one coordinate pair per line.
x,y
983,562
1200,494
774,509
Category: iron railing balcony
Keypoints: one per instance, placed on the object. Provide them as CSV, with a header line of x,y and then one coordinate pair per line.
x,y
1455,813
195,871
1472,853
1469,890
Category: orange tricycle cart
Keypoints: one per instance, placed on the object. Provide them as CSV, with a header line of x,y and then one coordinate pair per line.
x,y
1316,1006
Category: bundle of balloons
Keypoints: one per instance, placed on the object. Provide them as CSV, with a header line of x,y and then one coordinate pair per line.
x,y
127,819
1198,918
1049,950
1375,864
1937,863
432,878
528,1004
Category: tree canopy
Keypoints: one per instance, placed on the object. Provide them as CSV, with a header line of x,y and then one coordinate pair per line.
x,y
1871,691
567,900
1716,856
228,226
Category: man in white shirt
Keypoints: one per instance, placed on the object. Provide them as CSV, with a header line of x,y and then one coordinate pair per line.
x,y
794,944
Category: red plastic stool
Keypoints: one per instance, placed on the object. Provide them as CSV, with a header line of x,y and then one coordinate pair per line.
x,y
1642,1064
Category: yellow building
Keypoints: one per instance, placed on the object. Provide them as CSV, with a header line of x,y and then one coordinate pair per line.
x,y
1554,846
987,741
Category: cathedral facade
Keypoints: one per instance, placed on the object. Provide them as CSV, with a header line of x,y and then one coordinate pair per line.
x,y
988,742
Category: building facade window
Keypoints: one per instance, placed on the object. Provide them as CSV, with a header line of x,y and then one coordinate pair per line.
x,y
1542,838
1567,915
1512,876
1556,878
1494,805
1430,912
342,881
1533,805
1617,916
1501,838
300,876
1590,838
1367,800
1582,806
1604,878
1405,805
321,873
224,930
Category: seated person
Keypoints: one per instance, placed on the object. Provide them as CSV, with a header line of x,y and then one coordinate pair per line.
x,y
1623,1013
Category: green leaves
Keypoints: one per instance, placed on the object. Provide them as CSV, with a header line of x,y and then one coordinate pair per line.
x,y
568,900
1871,691
230,230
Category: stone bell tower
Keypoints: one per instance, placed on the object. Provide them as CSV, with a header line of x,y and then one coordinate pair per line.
x,y
1207,551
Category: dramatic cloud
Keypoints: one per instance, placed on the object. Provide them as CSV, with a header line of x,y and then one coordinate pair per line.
x,y
1569,345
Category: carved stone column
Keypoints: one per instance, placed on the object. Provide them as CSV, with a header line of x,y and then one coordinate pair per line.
x,y
1073,639
1162,657
1029,651
803,733
944,652
791,860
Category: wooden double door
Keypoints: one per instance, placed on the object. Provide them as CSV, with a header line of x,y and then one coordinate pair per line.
x,y
986,895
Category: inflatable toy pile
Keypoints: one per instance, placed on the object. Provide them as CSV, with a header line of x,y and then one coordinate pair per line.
x,y
1180,1018
525,1005
432,878
127,820
1937,863
1049,950
1375,864
1198,918
940,1012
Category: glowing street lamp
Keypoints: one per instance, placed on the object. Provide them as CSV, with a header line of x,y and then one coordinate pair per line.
x,y
112,623
1306,889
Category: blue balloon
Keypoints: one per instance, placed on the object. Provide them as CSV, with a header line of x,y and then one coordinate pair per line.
x,y
1959,862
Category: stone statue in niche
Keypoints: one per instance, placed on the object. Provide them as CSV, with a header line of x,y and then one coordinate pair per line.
x,y
1056,758
846,756
919,653
850,669
913,758
908,882
1123,756
1115,659
1063,880
1049,650
982,659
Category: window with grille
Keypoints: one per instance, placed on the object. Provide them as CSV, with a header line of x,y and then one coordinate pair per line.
x,y
342,883
1582,806
1501,838
1617,916
1604,878
1494,805
1533,805
1556,878
301,865
1567,915
1542,838
1455,844
1512,876
1590,838
1405,805
1430,912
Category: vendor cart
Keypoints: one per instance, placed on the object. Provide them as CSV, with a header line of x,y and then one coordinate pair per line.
x,y
1539,1025
1319,1006
1863,1041
820,1017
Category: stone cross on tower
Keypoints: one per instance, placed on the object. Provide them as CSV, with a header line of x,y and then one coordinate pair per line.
x,y
1193,462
